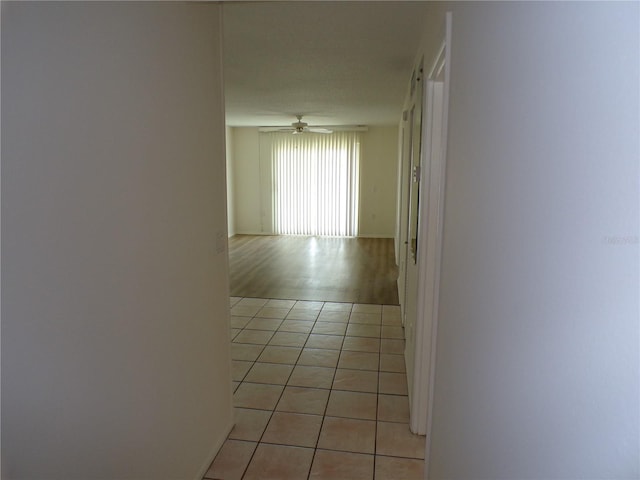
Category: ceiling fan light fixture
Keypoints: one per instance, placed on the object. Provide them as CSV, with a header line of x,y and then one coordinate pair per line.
x,y
303,127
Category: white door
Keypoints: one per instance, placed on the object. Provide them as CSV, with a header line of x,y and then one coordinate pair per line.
x,y
428,259
423,277
403,209
413,221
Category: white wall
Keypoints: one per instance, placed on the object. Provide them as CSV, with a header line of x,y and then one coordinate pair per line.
x,y
246,189
378,164
537,364
378,185
115,338
231,221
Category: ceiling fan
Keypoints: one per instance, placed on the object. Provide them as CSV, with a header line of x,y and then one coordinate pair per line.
x,y
297,128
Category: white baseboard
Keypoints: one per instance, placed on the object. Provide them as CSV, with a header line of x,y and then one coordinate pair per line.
x,y
253,233
370,235
214,451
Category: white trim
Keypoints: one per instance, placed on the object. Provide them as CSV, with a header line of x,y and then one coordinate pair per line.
x,y
421,367
445,76
248,232
430,238
372,235
202,471
438,63
217,445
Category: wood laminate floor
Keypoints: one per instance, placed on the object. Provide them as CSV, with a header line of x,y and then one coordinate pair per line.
x,y
356,270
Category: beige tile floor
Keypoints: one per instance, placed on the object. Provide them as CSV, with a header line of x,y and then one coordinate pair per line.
x,y
320,393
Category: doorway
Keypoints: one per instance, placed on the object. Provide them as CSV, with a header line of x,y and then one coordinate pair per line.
x,y
424,236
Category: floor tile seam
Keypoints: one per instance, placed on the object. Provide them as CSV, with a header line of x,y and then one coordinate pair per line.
x,y
335,415
273,410
286,319
358,369
354,391
262,317
345,451
274,363
313,457
304,308
361,351
279,363
370,322
324,413
350,418
263,330
399,456
252,453
321,318
285,345
363,368
375,445
266,383
258,409
245,373
397,323
258,317
243,329
279,444
305,386
342,451
375,437
328,334
394,421
261,344
244,472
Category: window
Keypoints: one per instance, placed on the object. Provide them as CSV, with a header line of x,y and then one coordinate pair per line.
x,y
315,183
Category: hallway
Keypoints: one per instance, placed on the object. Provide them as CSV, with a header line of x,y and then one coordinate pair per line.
x,y
320,393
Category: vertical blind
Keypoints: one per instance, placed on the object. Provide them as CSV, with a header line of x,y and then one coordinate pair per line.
x,y
315,183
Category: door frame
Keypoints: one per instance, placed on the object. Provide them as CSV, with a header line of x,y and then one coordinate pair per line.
x,y
404,167
434,132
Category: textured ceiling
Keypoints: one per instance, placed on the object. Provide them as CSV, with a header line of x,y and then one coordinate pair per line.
x,y
337,63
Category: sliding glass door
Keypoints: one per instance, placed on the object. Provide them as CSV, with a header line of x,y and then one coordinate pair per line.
x,y
315,183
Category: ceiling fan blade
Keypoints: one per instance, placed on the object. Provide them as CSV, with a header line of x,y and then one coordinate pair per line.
x,y
319,130
276,129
